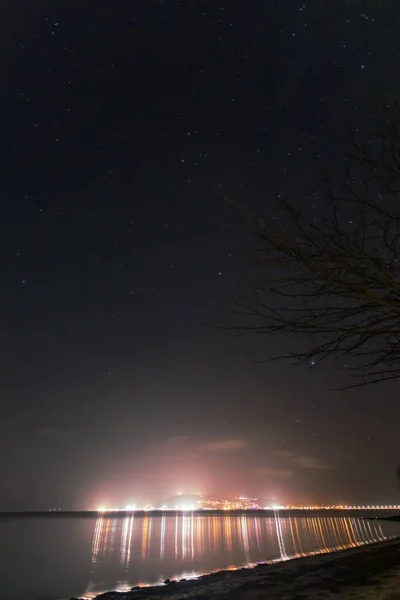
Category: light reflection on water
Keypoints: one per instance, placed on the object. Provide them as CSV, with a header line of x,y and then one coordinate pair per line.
x,y
146,550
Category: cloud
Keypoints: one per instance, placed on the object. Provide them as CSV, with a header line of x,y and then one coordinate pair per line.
x,y
311,462
225,445
304,461
284,453
46,432
274,472
176,439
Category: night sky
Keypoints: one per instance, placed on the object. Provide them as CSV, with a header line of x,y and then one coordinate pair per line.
x,y
123,126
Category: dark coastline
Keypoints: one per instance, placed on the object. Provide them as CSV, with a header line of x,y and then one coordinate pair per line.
x,y
369,571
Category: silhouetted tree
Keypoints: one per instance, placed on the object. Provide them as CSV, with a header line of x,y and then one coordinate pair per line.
x,y
336,279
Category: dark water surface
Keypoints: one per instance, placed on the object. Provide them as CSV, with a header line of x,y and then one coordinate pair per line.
x,y
55,559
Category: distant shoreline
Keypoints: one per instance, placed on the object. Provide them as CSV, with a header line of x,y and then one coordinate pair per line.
x,y
392,514
354,571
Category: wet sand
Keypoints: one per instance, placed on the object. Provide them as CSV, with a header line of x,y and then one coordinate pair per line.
x,y
371,572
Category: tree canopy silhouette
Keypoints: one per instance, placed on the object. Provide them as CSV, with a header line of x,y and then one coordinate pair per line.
x,y
336,278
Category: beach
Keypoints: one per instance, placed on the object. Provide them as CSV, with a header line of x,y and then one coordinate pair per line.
x,y
371,572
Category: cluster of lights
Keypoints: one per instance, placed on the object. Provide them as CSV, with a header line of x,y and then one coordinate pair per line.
x,y
344,507
128,508
241,504
147,508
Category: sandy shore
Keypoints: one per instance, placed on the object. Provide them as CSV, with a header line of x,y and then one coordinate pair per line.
x,y
371,572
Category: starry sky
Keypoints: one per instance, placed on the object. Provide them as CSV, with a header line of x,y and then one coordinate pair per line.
x,y
123,127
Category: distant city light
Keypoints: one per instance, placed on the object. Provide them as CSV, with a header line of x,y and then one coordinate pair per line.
x,y
243,504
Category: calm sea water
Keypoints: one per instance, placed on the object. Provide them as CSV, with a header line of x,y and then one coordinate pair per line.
x,y
55,559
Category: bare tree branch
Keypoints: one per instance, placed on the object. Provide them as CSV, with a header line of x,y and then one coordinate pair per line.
x,y
336,280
